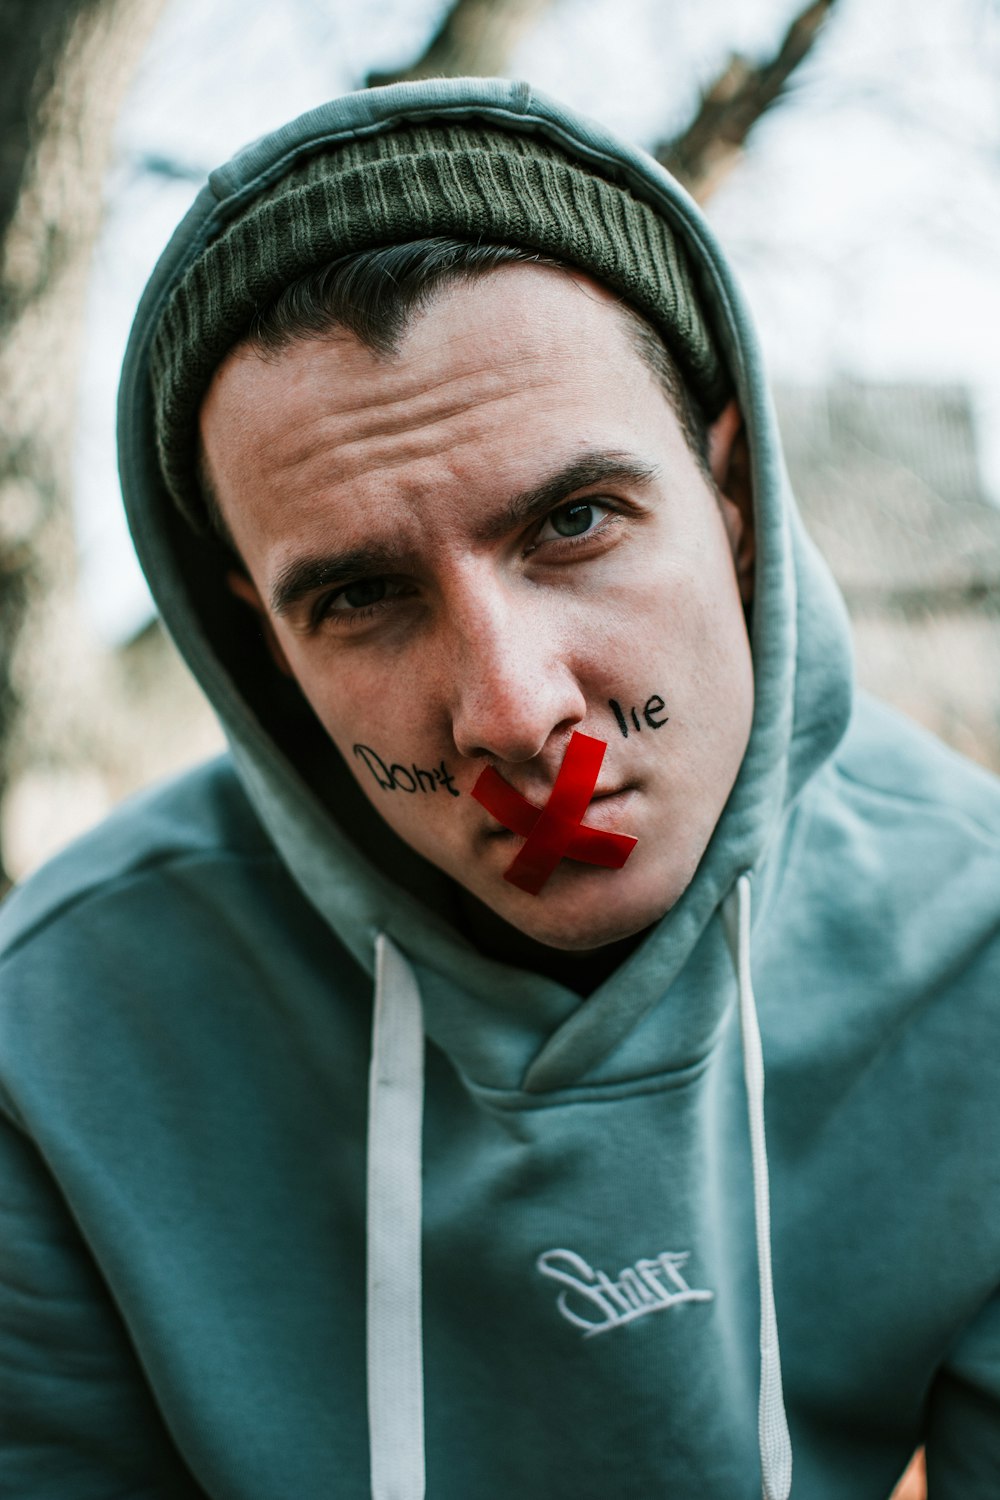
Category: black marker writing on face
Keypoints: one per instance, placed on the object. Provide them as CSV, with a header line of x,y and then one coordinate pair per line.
x,y
411,778
650,711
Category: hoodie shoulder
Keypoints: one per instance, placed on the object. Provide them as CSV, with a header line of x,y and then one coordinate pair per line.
x,y
903,847
202,815
887,759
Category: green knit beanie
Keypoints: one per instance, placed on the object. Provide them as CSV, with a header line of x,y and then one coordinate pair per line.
x,y
415,182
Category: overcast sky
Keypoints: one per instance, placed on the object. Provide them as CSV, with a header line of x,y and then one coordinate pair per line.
x,y
864,220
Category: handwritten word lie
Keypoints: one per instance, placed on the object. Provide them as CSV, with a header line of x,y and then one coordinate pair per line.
x,y
651,708
412,778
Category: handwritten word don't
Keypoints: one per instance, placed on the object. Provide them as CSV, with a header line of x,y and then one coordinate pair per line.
x,y
411,778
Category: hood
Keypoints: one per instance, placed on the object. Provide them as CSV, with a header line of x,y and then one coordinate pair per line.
x,y
504,1027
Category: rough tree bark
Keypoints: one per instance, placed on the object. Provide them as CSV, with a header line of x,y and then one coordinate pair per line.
x,y
66,63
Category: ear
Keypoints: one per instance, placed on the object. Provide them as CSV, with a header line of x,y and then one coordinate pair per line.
x,y
243,587
729,462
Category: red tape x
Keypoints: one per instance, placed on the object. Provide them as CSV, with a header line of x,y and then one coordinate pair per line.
x,y
557,830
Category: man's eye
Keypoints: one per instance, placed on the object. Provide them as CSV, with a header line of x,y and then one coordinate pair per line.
x,y
355,601
358,595
575,519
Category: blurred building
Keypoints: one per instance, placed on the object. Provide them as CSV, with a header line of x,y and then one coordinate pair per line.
x,y
889,484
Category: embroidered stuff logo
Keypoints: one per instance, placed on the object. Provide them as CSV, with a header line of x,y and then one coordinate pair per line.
x,y
592,1301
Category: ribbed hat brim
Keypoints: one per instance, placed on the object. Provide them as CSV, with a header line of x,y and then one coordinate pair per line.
x,y
407,184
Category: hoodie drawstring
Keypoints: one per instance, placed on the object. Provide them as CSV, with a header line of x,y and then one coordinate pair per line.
x,y
395,1118
395,1332
772,1425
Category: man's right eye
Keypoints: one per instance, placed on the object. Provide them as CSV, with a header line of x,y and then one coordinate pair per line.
x,y
358,595
356,602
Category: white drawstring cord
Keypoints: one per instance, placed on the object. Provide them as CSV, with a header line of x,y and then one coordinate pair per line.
x,y
772,1424
395,1333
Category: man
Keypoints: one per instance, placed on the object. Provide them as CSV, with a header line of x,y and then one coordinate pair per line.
x,y
450,458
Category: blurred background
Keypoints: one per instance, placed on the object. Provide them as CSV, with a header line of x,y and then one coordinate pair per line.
x,y
847,151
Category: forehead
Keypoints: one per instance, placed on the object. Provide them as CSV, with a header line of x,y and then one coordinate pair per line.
x,y
499,378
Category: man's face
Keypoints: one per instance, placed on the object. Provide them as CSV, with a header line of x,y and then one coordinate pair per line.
x,y
469,550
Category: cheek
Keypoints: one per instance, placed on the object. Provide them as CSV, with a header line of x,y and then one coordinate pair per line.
x,y
382,724
682,638
354,697
650,626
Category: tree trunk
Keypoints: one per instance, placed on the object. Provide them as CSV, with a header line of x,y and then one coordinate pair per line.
x,y
66,65
474,40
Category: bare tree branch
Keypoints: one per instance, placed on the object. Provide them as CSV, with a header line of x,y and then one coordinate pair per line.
x,y
475,39
712,143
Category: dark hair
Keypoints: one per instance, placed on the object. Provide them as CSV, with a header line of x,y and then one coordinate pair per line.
x,y
374,294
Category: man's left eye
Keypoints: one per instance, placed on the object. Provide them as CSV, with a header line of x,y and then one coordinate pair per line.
x,y
575,519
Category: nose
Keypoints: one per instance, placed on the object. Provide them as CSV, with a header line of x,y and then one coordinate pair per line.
x,y
512,685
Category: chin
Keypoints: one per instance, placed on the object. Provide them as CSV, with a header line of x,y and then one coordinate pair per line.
x,y
582,909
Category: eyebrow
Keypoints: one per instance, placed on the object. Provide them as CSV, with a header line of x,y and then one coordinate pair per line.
x,y
306,575
582,473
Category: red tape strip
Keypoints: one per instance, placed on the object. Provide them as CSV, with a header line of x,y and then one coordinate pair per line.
x,y
557,830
